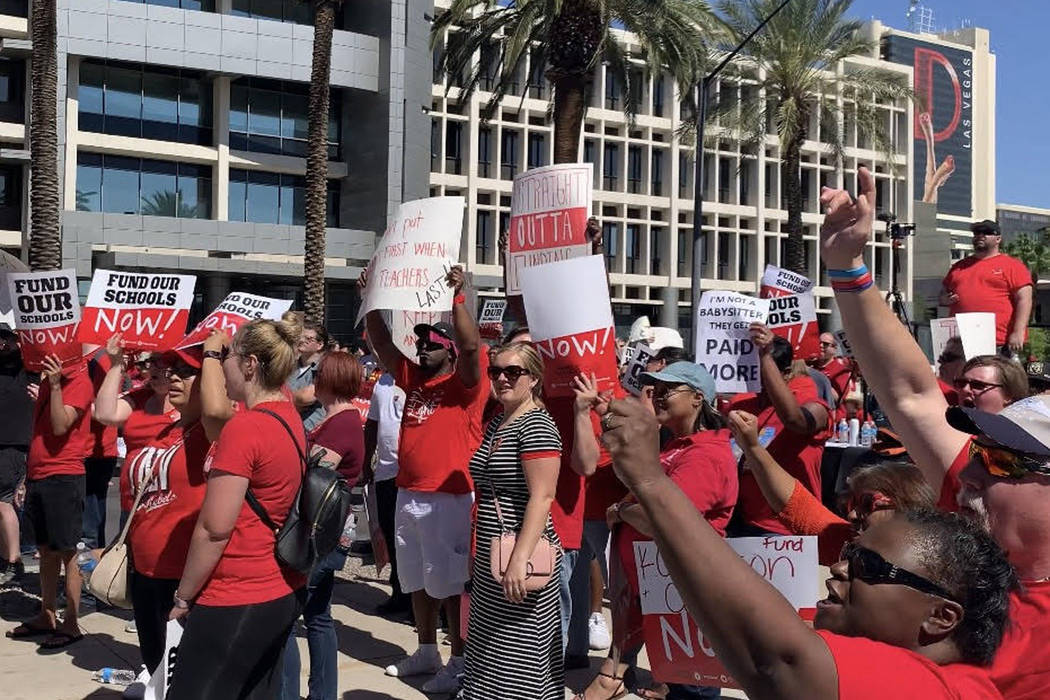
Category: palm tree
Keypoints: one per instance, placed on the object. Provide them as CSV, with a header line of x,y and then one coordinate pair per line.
x,y
45,237
800,50
317,160
1033,250
569,38
167,203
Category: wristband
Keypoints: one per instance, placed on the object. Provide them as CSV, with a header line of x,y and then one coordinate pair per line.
x,y
854,280
180,603
212,355
459,299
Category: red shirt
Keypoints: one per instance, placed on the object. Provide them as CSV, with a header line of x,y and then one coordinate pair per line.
x,y
569,495
140,429
255,446
838,371
870,670
161,527
1021,669
342,433
799,455
951,485
950,394
602,489
988,285
103,437
50,454
440,429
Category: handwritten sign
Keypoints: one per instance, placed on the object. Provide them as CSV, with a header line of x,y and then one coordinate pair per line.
x,y
941,331
46,310
151,310
641,355
843,341
235,310
677,649
570,318
548,218
490,325
723,341
792,310
418,249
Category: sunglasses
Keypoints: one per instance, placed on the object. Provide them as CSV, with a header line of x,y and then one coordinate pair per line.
x,y
662,393
869,502
427,346
976,385
868,566
1007,464
824,344
512,372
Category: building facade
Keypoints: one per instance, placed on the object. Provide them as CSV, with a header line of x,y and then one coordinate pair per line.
x,y
182,133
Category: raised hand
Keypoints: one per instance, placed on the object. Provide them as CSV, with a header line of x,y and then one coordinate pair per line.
x,y
587,397
762,337
217,340
52,370
456,278
632,436
848,223
745,429
115,348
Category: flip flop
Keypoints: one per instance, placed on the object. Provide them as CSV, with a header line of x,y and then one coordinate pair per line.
x,y
657,693
619,692
26,630
60,639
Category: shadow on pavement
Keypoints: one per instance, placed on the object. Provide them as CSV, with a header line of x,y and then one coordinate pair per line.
x,y
104,692
364,646
96,650
367,695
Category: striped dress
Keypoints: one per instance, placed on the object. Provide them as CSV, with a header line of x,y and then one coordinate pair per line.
x,y
513,650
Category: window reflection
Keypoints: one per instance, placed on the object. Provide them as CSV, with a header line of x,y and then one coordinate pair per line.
x,y
272,198
271,116
145,186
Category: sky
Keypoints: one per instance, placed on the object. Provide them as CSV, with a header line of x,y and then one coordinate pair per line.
x,y
1018,38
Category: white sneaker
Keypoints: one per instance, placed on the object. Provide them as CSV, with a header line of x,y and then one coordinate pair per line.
x,y
598,632
447,679
423,661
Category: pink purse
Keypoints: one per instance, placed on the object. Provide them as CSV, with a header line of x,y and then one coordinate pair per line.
x,y
541,562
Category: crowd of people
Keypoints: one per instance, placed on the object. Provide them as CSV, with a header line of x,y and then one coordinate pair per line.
x,y
499,504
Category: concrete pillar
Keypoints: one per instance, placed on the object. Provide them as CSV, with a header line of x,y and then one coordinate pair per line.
x,y
69,162
669,310
220,182
224,7
216,287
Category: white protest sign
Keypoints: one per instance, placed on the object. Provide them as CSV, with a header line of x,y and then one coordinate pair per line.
x,y
570,319
149,309
46,309
407,271
843,341
778,281
941,331
723,340
235,310
977,332
548,218
632,376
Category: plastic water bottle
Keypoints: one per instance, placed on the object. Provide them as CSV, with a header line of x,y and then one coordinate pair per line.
x,y
114,676
854,431
86,561
868,432
842,433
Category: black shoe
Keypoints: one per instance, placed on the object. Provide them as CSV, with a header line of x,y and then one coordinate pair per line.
x,y
12,572
574,661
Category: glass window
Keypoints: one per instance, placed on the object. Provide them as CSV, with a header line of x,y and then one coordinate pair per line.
x,y
238,195
484,151
159,191
160,106
509,155
272,198
484,237
271,116
611,167
453,148
142,186
634,169
239,107
280,10
537,150
123,99
610,237
89,183
655,261
265,115
264,198
632,247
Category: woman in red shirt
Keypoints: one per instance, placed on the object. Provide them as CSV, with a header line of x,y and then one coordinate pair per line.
x,y
699,460
243,602
340,439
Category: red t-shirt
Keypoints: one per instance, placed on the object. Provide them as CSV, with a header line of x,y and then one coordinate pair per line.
x,y
440,429
50,454
799,455
569,495
838,371
602,489
870,670
161,527
103,437
256,446
1021,669
140,429
988,285
342,434
951,485
950,394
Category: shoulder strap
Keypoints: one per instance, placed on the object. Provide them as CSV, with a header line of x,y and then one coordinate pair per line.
x,y
288,428
253,502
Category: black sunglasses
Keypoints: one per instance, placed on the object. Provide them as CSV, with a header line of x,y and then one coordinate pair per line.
x,y
427,346
976,385
513,372
183,370
869,566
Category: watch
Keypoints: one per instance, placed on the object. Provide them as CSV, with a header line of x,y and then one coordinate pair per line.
x,y
180,603
213,355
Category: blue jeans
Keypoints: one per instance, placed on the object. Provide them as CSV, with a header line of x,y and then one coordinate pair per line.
x,y
320,636
595,537
568,563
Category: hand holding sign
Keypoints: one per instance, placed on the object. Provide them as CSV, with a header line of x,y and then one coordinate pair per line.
x,y
588,398
762,337
632,436
456,278
848,223
115,349
51,370
217,341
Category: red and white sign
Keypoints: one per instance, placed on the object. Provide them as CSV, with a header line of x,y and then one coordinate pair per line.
x,y
570,319
490,324
548,218
793,314
46,310
235,310
151,310
677,649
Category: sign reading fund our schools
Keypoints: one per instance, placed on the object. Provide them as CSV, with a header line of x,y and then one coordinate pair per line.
x,y
723,340
943,121
46,308
149,309
548,218
235,310
792,310
417,250
570,319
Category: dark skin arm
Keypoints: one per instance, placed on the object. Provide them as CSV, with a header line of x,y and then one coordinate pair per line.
x,y
515,302
791,413
754,631
468,338
371,439
379,334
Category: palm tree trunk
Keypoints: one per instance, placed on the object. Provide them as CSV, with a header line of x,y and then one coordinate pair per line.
x,y
570,103
317,162
575,38
45,237
796,247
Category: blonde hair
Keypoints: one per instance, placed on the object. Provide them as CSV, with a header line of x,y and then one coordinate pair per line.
x,y
530,360
274,343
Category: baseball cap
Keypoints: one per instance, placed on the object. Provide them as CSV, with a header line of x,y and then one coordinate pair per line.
x,y
440,333
687,373
1023,426
987,227
194,356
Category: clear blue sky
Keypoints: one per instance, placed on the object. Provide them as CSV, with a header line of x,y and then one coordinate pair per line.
x,y
1019,39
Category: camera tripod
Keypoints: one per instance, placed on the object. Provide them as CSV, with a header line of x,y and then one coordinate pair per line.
x,y
894,297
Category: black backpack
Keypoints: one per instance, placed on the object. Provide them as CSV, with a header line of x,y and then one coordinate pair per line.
x,y
313,526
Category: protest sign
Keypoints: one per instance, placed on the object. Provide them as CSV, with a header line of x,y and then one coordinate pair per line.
x,y
490,325
548,218
792,310
407,271
677,649
570,318
777,281
843,341
641,356
977,332
723,341
941,331
46,310
235,310
150,309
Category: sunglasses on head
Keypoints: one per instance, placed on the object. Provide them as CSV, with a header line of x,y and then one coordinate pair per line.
x,y
512,372
1007,464
869,502
976,385
868,566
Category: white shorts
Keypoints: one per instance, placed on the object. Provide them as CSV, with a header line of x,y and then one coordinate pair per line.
x,y
432,536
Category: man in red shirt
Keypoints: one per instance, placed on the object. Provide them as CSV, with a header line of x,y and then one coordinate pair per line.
x,y
837,369
993,282
55,494
440,430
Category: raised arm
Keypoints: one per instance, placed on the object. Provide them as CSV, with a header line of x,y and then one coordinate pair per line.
x,y
804,419
774,482
893,365
585,448
468,339
62,417
379,335
110,408
751,627
216,407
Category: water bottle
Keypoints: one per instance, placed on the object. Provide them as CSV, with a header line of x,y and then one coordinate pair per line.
x,y
842,434
854,431
869,433
86,561
114,676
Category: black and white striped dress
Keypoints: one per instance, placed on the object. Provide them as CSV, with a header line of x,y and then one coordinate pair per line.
x,y
513,650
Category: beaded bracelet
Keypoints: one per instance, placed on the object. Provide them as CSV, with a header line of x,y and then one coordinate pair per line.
x,y
851,281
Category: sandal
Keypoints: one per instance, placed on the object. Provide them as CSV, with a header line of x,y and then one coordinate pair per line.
x,y
26,630
658,692
620,692
60,639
